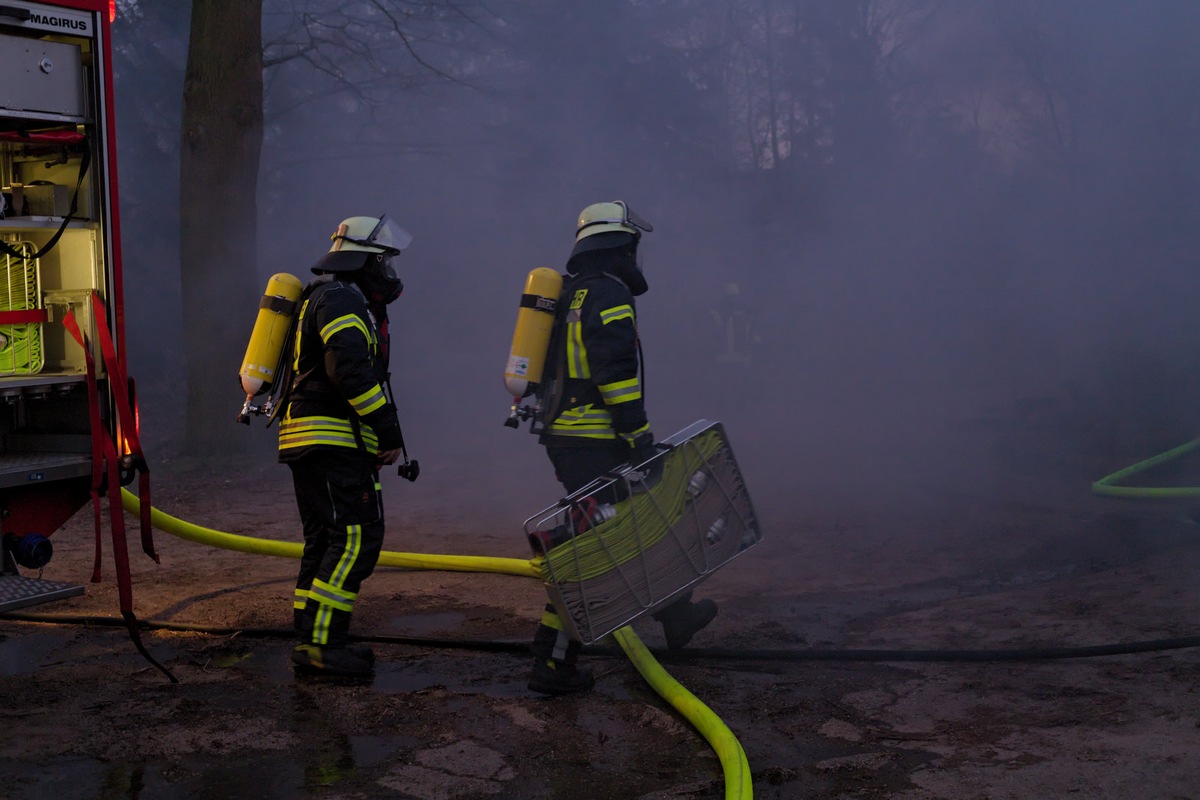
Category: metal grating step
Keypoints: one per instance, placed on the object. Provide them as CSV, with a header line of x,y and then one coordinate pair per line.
x,y
17,591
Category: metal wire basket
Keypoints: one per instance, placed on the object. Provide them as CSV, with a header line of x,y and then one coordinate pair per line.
x,y
634,540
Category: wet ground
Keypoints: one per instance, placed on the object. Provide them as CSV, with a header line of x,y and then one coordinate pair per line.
x,y
448,717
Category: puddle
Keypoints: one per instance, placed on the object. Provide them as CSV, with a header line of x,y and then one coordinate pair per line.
x,y
296,743
272,662
370,751
255,776
425,624
415,675
397,671
24,654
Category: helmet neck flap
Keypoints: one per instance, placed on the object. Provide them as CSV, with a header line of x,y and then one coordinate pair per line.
x,y
606,241
619,261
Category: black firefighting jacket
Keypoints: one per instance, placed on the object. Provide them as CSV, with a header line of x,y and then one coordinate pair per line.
x,y
338,396
595,363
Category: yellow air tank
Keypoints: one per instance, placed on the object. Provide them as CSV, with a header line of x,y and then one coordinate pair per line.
x,y
531,337
275,312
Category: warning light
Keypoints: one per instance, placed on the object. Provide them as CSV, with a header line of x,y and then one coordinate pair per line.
x,y
112,10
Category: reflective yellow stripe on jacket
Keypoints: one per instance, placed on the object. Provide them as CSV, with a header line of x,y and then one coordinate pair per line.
x,y
374,397
577,364
369,400
329,431
615,313
593,421
344,322
586,421
621,391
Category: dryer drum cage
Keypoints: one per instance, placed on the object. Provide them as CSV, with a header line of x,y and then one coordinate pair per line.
x,y
681,515
20,289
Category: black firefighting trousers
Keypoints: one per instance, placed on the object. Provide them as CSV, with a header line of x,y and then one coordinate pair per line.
x,y
341,509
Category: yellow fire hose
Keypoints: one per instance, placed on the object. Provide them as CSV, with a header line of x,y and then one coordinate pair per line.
x,y
1108,484
729,751
271,547
728,748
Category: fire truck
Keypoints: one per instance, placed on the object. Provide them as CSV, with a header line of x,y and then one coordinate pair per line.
x,y
68,431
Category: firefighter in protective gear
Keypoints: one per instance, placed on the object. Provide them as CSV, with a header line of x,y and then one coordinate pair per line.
x,y
338,427
596,415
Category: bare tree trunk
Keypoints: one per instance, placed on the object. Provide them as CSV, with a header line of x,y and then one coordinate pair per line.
x,y
219,158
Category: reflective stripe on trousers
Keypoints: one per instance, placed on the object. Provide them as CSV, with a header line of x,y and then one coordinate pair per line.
x,y
340,506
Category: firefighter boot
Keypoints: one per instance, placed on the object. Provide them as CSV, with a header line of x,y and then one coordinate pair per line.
x,y
554,677
303,626
683,619
554,659
363,651
313,659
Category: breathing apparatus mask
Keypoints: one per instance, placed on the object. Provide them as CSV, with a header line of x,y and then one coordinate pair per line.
x,y
365,247
379,281
385,239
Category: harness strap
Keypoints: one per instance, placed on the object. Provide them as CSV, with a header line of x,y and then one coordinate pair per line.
x,y
120,388
104,452
288,381
550,393
97,433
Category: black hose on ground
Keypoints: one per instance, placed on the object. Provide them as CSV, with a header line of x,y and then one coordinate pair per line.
x,y
690,654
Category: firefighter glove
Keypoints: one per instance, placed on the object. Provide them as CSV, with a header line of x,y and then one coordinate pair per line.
x,y
642,449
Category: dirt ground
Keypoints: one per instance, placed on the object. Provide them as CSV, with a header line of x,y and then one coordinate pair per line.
x,y
1041,564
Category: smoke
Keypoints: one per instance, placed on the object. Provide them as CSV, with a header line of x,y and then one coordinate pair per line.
x,y
964,237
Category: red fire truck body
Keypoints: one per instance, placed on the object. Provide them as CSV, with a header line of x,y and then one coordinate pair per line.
x,y
67,423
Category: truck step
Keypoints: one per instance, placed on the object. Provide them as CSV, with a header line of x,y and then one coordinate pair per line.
x,y
17,591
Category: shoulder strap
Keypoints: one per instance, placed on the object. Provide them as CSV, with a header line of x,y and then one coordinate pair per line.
x,y
551,389
288,380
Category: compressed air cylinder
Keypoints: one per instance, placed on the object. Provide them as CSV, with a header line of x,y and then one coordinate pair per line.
x,y
531,336
275,312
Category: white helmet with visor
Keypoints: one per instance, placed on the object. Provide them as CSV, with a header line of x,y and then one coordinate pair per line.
x,y
357,238
612,217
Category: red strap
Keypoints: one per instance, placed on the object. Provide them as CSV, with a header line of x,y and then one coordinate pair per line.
x,y
97,432
22,317
96,574
105,450
119,385
116,519
42,137
116,516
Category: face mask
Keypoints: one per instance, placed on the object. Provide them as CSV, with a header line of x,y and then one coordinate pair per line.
x,y
631,271
380,283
